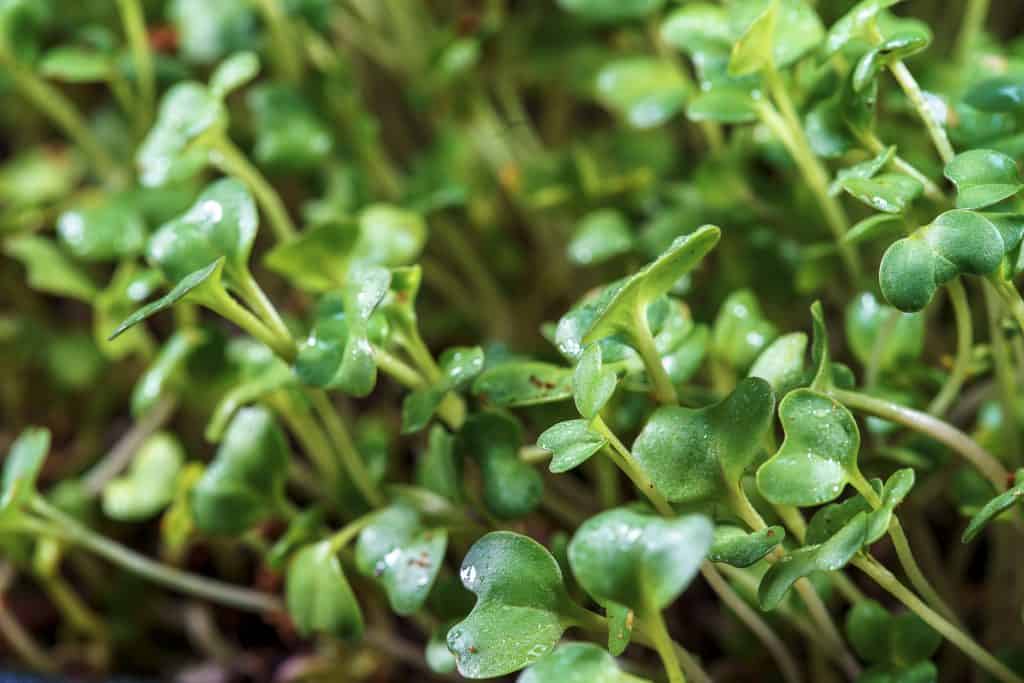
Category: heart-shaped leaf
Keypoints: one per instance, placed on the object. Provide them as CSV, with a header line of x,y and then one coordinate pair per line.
x,y
645,91
245,482
459,366
817,458
522,606
995,507
402,554
983,177
571,443
629,303
831,555
956,242
21,468
888,192
830,519
599,237
202,286
222,223
577,663
187,111
593,384
734,546
701,455
638,559
512,488
318,595
523,383
48,269
149,485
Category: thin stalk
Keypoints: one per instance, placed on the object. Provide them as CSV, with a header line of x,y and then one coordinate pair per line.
x,y
905,555
928,425
351,460
452,408
260,303
134,21
884,578
313,439
216,591
971,27
79,615
1011,297
287,57
224,305
643,341
61,112
398,369
664,645
232,161
775,645
121,455
964,345
1005,379
816,177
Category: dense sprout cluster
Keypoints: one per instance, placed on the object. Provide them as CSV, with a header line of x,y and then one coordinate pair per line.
x,y
576,341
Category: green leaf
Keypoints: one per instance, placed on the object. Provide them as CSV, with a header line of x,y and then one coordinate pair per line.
x,y
831,518
439,657
245,482
149,485
200,286
76,64
577,663
781,363
880,637
571,443
645,91
700,455
797,31
995,507
754,51
858,23
522,606
817,458
723,104
593,384
49,270
621,621
227,25
655,279
389,236
888,192
956,242
222,223
867,318
983,177
611,10
512,488
899,46
187,111
21,468
129,286
740,331
600,236
638,559
523,383
459,365
402,554
438,470
161,373
999,94
734,546
108,231
303,529
318,595
865,169
873,227
831,555
233,73
318,259
290,134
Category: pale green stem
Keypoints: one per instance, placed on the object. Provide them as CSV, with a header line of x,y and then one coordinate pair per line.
x,y
663,644
134,21
348,532
313,440
286,50
1011,297
232,161
643,341
225,594
398,369
971,27
904,553
345,448
224,305
1003,364
816,177
928,425
60,110
775,645
884,578
260,303
964,345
